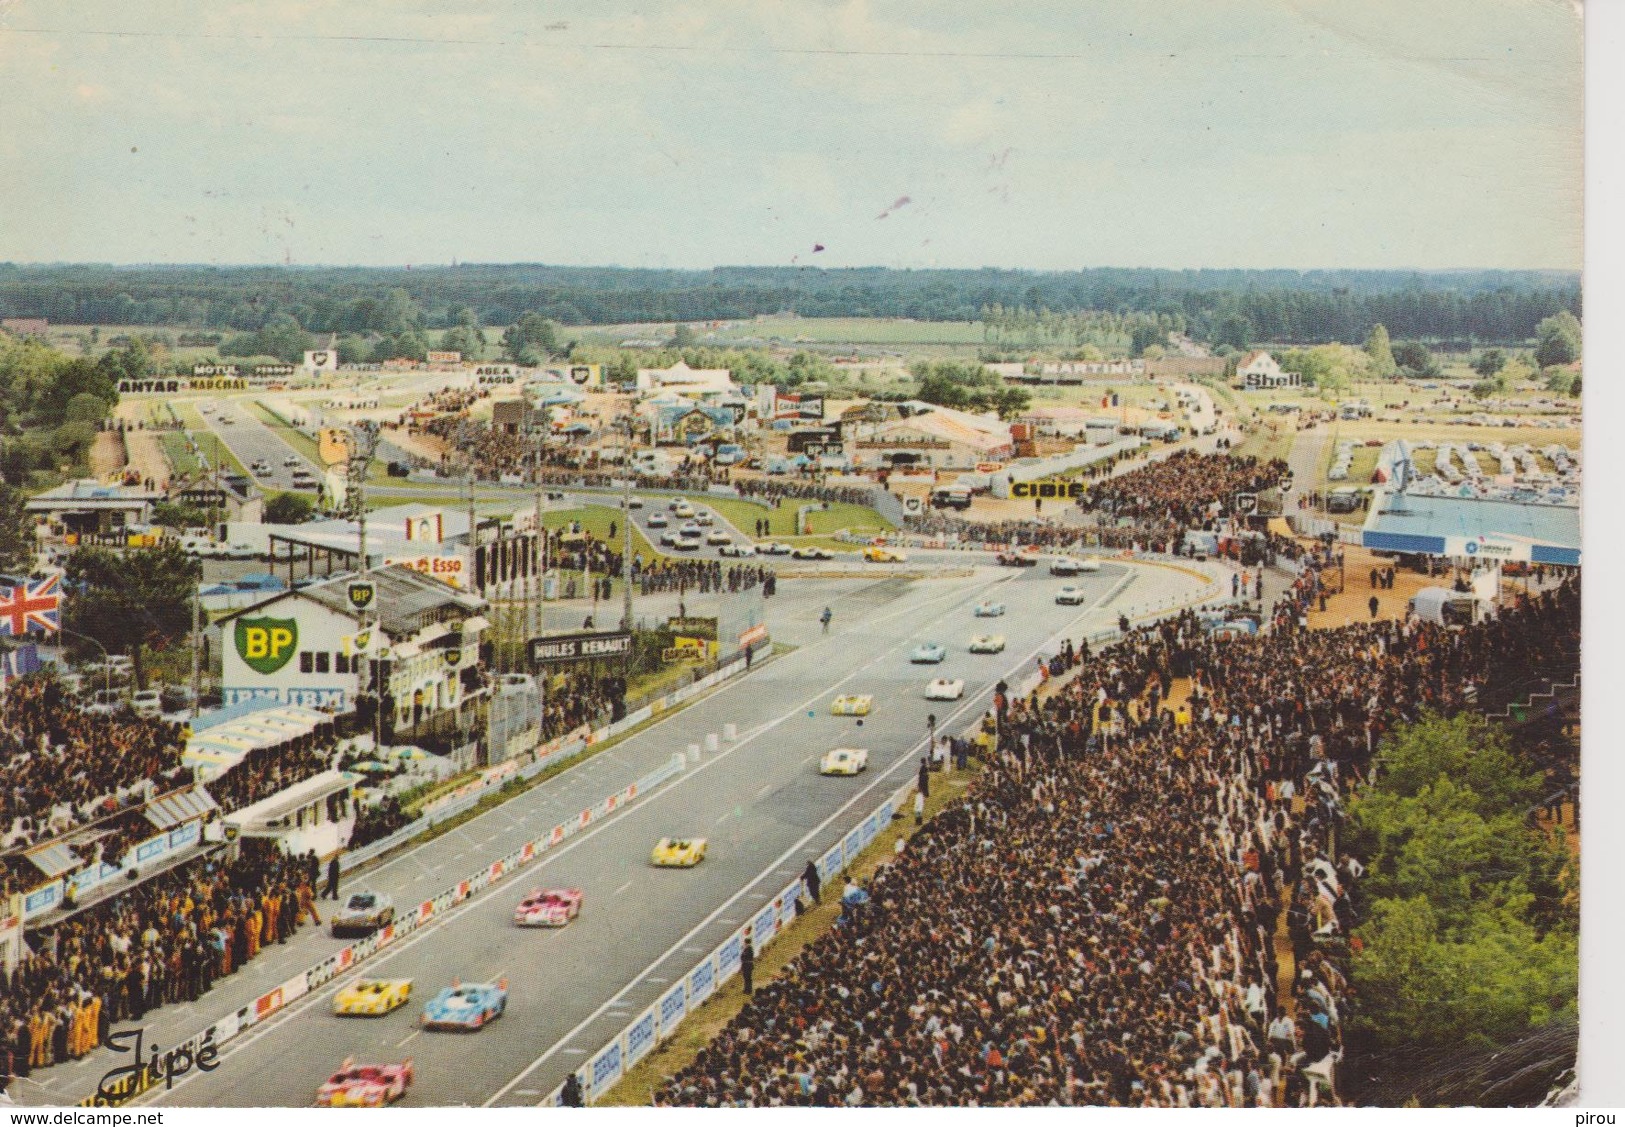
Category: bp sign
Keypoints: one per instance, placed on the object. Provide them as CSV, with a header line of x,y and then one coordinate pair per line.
x,y
1246,503
266,644
362,594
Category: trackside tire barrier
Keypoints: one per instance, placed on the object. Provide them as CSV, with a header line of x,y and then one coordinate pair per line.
x,y
410,919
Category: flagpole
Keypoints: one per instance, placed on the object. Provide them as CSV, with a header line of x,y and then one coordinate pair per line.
x,y
197,649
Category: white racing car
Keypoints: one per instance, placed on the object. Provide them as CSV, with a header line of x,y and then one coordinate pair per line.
x,y
987,644
945,688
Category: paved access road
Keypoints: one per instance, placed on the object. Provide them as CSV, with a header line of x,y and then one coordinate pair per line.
x,y
760,802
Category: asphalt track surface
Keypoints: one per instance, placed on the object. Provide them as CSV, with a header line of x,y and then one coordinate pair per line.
x,y
251,440
760,802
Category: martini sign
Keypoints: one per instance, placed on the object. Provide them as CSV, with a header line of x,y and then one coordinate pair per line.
x,y
266,644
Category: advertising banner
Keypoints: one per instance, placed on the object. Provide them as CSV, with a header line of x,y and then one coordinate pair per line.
x,y
564,648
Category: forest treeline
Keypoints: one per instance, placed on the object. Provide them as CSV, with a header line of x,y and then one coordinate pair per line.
x,y
1307,307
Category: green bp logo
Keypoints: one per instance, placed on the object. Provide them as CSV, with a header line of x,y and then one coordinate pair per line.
x,y
266,644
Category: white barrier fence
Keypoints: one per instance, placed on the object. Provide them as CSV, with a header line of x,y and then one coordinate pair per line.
x,y
343,960
659,1021
470,794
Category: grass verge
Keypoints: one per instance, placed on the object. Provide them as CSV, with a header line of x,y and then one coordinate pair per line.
x,y
637,1087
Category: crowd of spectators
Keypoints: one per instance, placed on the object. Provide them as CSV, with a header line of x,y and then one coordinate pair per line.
x,y
1185,489
377,821
264,771
167,940
62,767
704,576
581,699
777,490
1099,920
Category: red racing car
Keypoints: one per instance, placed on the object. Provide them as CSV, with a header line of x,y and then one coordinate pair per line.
x,y
552,907
365,1085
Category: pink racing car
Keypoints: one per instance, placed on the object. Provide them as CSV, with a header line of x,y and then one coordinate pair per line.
x,y
552,907
365,1085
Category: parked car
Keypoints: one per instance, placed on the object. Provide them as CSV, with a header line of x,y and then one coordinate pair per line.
x,y
148,703
106,702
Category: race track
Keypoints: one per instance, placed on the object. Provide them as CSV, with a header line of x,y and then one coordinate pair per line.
x,y
760,802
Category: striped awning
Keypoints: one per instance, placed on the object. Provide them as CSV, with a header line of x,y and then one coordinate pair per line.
x,y
179,806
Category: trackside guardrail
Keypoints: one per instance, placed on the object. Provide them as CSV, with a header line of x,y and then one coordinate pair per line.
x,y
659,1021
345,959
557,752
605,1068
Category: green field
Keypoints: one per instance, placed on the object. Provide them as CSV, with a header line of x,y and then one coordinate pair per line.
x,y
182,462
743,515
854,330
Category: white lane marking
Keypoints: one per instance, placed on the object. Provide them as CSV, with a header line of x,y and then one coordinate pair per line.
x,y
289,1014
763,792
684,944
622,889
408,1037
725,817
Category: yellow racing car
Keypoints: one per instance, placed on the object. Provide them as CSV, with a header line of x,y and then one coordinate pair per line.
x,y
372,997
678,852
851,705
879,553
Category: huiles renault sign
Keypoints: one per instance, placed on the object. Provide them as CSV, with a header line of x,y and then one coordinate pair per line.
x,y
579,647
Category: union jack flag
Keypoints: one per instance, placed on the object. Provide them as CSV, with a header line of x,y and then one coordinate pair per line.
x,y
24,608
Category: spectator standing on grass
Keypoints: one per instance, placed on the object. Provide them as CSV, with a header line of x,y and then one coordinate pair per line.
x,y
747,965
810,878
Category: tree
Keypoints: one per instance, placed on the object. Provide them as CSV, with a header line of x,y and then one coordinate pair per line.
x,y
1415,360
84,408
130,601
1558,340
288,508
461,338
1144,337
284,338
1234,331
683,336
1489,362
352,349
1469,934
1382,355
16,531
171,514
530,339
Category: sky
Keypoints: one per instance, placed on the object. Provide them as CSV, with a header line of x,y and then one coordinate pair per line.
x,y
1051,134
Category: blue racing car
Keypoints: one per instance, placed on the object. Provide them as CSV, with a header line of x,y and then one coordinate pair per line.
x,y
927,653
466,1006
